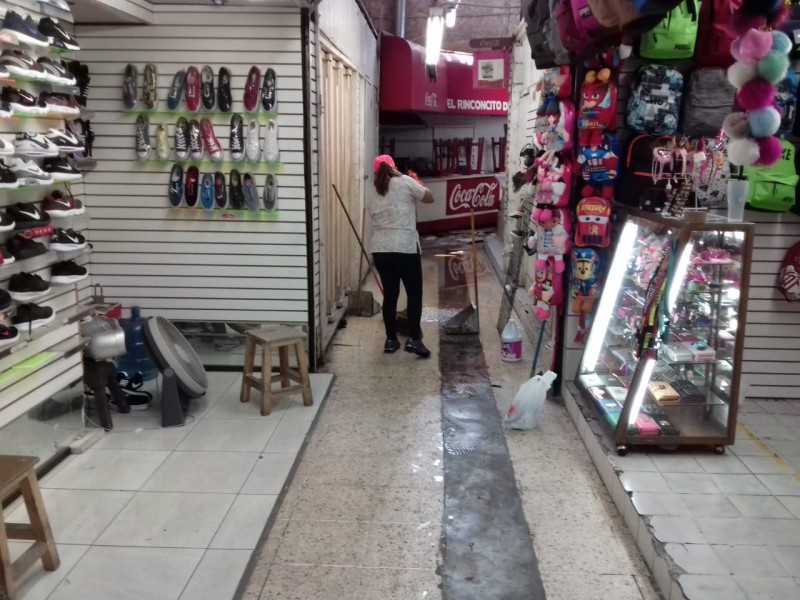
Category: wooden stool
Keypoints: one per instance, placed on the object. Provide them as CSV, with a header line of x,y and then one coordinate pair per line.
x,y
17,475
281,338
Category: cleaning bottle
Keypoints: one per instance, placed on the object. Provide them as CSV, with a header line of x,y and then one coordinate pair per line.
x,y
137,358
511,342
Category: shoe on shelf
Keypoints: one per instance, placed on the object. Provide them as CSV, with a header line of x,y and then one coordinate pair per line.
x,y
271,192
150,88
67,241
56,35
253,147
27,172
60,169
224,97
6,147
251,89
64,141
6,112
27,216
207,96
5,299
236,191
417,347
22,249
143,146
195,140
269,91
391,346
192,89
220,190
25,287
210,141
33,316
82,80
176,186
23,102
182,139
207,191
8,336
21,64
192,186
237,137
130,89
6,258
34,145
55,72
162,142
8,181
250,189
57,208
271,151
6,222
60,104
67,272
176,90
22,29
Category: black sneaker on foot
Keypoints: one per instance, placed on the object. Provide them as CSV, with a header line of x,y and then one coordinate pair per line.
x,y
391,346
417,347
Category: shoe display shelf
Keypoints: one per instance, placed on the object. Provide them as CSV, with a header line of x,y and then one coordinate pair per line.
x,y
8,41
11,196
262,117
56,88
221,165
53,116
36,263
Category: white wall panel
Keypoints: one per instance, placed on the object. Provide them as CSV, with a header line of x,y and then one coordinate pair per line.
x,y
345,28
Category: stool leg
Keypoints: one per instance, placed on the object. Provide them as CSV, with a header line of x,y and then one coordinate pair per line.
x,y
6,573
249,357
283,353
39,521
266,380
302,367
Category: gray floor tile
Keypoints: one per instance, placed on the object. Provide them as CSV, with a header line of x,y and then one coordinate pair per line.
x,y
760,507
676,463
691,483
98,469
726,463
769,465
778,532
769,588
750,560
781,485
682,530
697,559
792,504
711,587
740,484
789,557
728,531
213,472
644,482
667,504
708,505
217,575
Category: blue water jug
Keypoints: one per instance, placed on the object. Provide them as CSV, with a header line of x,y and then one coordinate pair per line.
x,y
138,357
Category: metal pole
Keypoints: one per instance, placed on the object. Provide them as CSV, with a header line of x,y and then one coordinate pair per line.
x,y
400,18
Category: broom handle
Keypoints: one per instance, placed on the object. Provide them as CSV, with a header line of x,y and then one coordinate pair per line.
x,y
361,257
474,257
355,233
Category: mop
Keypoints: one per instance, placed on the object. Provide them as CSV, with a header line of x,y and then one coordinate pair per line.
x,y
467,322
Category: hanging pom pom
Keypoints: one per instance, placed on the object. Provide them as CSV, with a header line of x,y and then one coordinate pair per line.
x,y
740,73
744,152
781,42
764,123
773,67
754,45
742,22
736,126
756,93
769,151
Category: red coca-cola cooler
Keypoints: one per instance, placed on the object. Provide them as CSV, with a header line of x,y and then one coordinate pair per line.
x,y
455,197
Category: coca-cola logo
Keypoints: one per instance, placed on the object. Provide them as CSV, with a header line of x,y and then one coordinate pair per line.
x,y
477,194
459,269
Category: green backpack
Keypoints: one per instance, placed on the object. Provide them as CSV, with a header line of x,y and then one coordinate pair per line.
x,y
675,36
775,187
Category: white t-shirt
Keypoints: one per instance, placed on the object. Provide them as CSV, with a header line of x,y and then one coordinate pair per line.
x,y
394,217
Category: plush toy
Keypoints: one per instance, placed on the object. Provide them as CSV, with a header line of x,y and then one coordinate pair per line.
x,y
553,176
554,135
598,111
585,285
555,84
598,167
545,293
593,216
551,227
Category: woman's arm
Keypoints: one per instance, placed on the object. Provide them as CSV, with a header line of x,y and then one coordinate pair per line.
x,y
428,197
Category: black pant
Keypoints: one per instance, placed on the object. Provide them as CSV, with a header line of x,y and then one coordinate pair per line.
x,y
394,267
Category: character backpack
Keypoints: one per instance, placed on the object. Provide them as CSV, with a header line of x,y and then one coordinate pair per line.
x,y
708,100
599,166
654,105
773,188
554,129
546,292
593,222
586,282
642,178
786,99
715,33
674,37
789,275
553,181
598,110
555,84
551,229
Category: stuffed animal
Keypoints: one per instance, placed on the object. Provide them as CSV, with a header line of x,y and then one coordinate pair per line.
x,y
599,164
551,228
586,278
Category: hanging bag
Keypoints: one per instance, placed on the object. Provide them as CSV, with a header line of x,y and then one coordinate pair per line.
x,y
708,100
715,33
774,188
789,275
655,103
674,37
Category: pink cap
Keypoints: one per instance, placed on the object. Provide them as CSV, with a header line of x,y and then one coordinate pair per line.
x,y
383,158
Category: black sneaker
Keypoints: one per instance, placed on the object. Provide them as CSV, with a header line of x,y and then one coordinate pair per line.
x,y
220,190
195,140
66,241
78,236
176,90
82,80
67,272
224,98
22,249
391,346
207,96
19,62
27,216
8,335
56,35
6,222
8,180
176,186
21,101
5,298
143,146
192,186
236,191
21,29
25,287
135,401
60,169
417,347
237,137
271,192
33,316
269,91
130,89
55,72
182,139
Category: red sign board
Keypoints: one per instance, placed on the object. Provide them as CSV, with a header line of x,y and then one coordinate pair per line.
x,y
481,194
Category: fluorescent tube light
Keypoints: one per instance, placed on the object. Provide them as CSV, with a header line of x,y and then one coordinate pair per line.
x,y
679,275
638,396
434,36
450,17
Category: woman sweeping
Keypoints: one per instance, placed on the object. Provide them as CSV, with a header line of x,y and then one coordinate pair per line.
x,y
396,250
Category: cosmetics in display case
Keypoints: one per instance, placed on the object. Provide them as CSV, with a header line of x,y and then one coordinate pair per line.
x,y
662,361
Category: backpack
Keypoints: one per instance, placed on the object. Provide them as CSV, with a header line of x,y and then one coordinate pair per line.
x,y
598,109
593,222
774,187
553,180
546,291
655,102
791,27
545,50
789,275
786,99
599,167
553,131
708,100
715,33
637,180
674,37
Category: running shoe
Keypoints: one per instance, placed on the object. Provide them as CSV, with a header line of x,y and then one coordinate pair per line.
x,y
162,142
21,101
8,180
271,152
6,147
192,186
207,191
182,139
195,140
417,347
34,145
33,316
28,172
6,222
250,189
8,335
67,272
20,63
207,96
6,258
253,146
61,104
22,249
60,169
5,299
176,186
55,72
269,91
64,141
22,29
237,137
67,241
176,90
210,140
251,89
6,111
130,90
224,97
82,80
192,89
220,190
24,287
58,206
150,96
236,192
143,146
27,216
56,35
271,192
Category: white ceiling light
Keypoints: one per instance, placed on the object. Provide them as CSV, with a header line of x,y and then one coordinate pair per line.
x,y
434,35
450,16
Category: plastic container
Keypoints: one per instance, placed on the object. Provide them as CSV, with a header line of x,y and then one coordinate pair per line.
x,y
511,342
138,357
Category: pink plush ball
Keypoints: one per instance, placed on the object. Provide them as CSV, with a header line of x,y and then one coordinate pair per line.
x,y
740,73
769,150
755,44
756,93
744,152
736,126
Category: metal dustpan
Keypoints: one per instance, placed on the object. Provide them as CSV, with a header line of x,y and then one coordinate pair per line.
x,y
362,303
465,322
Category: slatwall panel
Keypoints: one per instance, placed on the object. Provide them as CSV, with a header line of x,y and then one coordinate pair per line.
x,y
190,264
315,158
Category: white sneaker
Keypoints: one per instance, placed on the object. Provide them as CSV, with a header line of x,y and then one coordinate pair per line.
x,y
28,172
253,147
6,146
34,144
271,152
162,142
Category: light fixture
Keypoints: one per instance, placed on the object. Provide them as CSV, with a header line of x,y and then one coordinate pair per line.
x,y
450,16
638,396
434,35
218,2
679,275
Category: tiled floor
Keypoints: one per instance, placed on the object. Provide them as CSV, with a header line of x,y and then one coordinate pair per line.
x,y
151,513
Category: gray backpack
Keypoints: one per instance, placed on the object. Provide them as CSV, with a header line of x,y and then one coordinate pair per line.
x,y
707,100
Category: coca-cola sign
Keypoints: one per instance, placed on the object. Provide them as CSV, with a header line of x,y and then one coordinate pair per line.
x,y
481,194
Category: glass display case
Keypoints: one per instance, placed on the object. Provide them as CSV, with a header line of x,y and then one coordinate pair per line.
x,y
663,357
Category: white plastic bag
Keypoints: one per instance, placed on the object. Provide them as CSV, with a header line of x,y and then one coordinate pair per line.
x,y
527,406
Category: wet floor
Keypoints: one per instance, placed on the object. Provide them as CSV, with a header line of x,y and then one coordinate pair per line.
x,y
409,488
